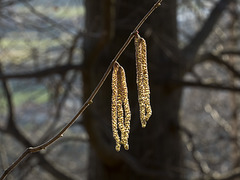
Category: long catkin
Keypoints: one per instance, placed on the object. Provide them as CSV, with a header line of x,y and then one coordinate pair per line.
x,y
121,113
114,107
142,80
127,112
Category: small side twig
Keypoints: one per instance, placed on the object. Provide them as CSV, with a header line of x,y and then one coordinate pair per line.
x,y
213,86
220,61
42,73
196,155
87,103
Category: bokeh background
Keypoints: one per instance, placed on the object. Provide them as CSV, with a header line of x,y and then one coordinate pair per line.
x,y
53,54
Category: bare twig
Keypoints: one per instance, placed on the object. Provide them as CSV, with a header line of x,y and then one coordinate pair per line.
x,y
73,46
231,52
196,155
86,104
218,119
8,96
13,130
43,72
192,48
214,86
3,155
231,175
45,18
59,108
219,60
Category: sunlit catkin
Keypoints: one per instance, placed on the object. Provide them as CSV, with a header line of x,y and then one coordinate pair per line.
x,y
142,80
127,112
120,118
114,107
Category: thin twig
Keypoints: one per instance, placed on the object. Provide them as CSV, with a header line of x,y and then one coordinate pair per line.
x,y
48,71
87,103
8,96
213,86
231,52
45,18
196,155
14,132
219,60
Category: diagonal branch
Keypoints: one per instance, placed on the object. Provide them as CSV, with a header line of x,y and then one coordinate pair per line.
x,y
196,155
14,131
231,175
89,100
73,46
44,17
8,96
214,86
231,52
217,59
219,120
192,48
44,72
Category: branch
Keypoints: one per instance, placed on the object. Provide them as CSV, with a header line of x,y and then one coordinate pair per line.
x,y
73,46
196,155
45,18
87,103
214,86
214,58
7,3
231,52
76,139
191,49
14,131
219,120
54,23
3,156
59,107
231,175
44,72
8,96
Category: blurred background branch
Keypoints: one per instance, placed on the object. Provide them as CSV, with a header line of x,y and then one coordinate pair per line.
x,y
53,53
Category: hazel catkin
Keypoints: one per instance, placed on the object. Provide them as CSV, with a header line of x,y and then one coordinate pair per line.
x,y
142,80
120,118
114,107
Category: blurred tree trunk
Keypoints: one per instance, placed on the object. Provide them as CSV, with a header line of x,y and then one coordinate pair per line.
x,y
155,152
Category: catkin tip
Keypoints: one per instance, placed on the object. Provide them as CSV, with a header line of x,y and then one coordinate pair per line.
x,y
126,147
118,147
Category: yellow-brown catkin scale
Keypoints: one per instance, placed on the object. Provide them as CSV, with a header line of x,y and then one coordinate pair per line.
x,y
142,80
114,107
120,118
127,112
120,107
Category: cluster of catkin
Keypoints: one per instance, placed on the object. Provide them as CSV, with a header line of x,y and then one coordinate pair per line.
x,y
120,118
121,114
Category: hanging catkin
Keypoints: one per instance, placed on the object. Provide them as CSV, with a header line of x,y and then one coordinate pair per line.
x,y
127,112
142,80
120,118
114,107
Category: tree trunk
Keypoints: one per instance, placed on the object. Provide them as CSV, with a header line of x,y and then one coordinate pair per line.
x,y
155,151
